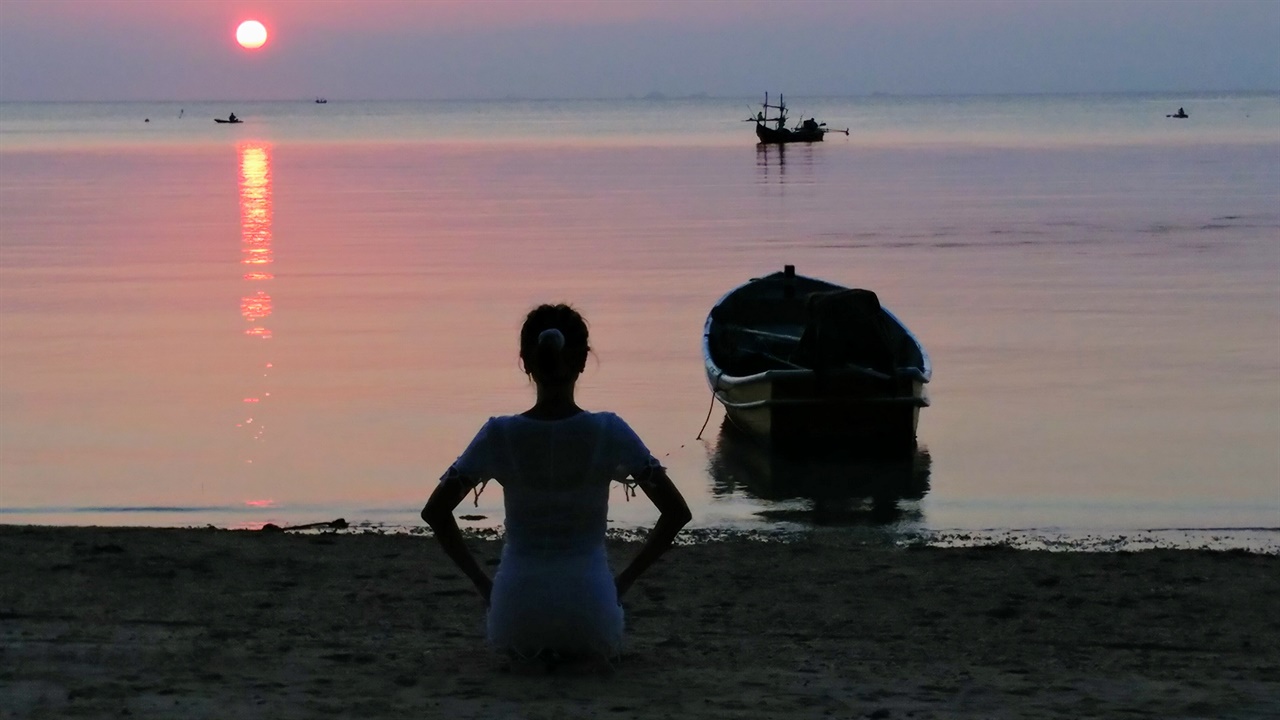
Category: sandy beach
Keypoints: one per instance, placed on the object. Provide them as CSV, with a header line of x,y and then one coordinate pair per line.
x,y
240,624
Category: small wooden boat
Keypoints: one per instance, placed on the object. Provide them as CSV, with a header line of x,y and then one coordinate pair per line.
x,y
774,130
805,363
233,120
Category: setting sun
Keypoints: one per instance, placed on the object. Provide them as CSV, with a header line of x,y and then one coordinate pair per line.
x,y
251,34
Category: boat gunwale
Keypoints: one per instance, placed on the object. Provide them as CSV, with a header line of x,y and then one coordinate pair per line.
x,y
769,375
923,373
913,400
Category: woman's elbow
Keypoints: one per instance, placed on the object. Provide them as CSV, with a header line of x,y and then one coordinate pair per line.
x,y
435,513
678,514
685,516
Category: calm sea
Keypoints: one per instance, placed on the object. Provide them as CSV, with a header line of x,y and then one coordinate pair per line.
x,y
307,316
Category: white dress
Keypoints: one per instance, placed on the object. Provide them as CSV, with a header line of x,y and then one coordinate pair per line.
x,y
554,589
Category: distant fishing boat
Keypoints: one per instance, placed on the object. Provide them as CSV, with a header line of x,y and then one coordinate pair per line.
x,y
772,130
231,120
321,100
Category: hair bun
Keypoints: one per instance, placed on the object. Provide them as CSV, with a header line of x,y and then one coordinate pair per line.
x,y
551,337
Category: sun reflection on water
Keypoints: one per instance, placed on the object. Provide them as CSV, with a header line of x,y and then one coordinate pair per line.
x,y
255,251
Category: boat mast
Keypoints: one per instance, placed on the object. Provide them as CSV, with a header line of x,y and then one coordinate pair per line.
x,y
781,107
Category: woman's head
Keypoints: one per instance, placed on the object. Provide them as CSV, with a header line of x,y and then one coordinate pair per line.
x,y
553,344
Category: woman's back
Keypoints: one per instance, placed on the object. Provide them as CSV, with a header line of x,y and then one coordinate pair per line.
x,y
555,476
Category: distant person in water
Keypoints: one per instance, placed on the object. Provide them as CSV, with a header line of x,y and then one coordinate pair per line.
x,y
554,596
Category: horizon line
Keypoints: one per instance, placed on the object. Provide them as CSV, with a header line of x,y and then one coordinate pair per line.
x,y
657,96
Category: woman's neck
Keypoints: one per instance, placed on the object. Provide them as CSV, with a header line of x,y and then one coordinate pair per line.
x,y
554,402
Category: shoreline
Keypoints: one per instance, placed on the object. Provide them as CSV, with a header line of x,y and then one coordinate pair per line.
x,y
791,525
218,623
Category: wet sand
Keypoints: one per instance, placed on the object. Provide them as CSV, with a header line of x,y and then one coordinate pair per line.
x,y
168,623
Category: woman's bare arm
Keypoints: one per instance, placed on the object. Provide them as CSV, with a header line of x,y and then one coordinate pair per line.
x,y
673,515
438,513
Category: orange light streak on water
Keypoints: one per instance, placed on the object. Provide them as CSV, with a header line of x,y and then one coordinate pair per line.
x,y
255,205
255,307
255,249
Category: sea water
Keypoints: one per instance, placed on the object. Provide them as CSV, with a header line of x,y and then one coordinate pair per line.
x,y
307,315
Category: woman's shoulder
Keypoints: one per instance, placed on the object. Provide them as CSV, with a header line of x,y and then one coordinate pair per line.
x,y
607,419
603,419
580,416
495,424
614,424
506,420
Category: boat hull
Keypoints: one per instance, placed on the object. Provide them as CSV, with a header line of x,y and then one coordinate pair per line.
x,y
773,136
747,337
794,409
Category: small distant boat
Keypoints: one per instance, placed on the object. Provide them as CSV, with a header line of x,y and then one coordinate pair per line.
x,y
321,101
801,362
774,130
231,120
1181,114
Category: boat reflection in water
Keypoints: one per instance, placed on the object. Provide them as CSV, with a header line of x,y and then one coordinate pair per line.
x,y
776,155
773,162
840,488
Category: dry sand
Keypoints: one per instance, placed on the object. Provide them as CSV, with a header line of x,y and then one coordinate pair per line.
x,y
220,624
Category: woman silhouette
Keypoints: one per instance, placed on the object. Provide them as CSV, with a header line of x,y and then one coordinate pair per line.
x,y
554,595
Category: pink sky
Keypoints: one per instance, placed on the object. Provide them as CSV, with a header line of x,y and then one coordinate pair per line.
x,y
143,49
382,15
